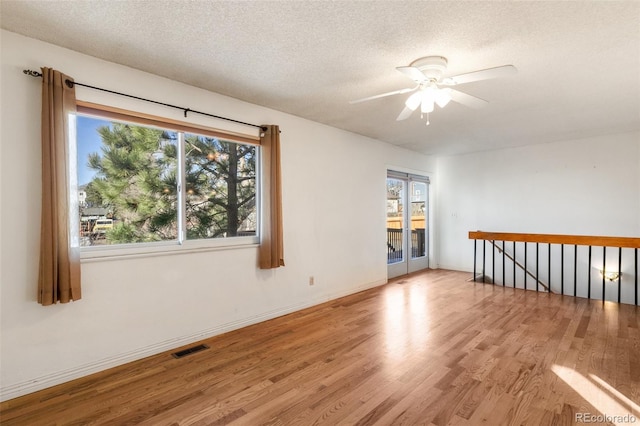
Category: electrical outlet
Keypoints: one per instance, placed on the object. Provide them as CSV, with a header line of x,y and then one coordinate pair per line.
x,y
311,280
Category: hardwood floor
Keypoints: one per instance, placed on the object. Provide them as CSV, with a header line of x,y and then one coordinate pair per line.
x,y
429,348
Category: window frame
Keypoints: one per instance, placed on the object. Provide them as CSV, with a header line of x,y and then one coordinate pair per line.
x,y
181,244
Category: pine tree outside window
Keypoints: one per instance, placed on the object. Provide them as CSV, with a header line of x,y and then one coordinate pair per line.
x,y
145,183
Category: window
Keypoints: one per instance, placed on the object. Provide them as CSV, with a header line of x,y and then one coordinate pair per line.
x,y
143,180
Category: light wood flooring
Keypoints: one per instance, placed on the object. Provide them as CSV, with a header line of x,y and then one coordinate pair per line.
x,y
429,348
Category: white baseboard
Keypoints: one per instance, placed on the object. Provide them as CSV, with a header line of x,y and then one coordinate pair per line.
x,y
43,382
455,268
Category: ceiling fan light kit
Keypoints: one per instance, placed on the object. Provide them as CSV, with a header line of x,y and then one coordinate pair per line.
x,y
428,73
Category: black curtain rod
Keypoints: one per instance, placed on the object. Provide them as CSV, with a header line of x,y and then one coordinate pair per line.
x,y
70,84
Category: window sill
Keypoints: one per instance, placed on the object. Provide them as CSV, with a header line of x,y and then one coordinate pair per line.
x,y
118,252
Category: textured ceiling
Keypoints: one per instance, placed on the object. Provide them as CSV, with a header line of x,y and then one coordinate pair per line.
x,y
578,62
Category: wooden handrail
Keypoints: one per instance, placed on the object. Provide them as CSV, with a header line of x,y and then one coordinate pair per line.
x,y
580,240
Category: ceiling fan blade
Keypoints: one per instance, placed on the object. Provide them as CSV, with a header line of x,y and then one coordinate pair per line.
x,y
467,100
405,113
413,73
411,104
487,74
382,95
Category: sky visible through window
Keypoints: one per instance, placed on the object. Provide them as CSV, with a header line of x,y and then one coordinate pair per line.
x,y
89,141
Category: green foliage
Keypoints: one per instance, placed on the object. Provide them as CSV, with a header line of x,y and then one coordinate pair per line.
x,y
127,233
135,162
220,185
94,199
137,178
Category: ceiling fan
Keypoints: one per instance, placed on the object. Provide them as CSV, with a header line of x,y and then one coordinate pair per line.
x,y
428,74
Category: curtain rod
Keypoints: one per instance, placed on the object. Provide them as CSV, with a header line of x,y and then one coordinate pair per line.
x,y
70,84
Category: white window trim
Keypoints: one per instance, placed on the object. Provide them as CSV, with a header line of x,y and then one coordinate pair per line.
x,y
137,250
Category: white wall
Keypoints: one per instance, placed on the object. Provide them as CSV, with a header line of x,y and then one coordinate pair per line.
x,y
584,187
334,212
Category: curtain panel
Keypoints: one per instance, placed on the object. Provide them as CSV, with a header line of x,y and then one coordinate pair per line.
x,y
271,251
59,269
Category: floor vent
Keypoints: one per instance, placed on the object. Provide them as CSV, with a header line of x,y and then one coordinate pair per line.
x,y
189,351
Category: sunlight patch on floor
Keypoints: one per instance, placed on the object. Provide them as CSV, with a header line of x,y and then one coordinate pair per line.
x,y
602,396
406,321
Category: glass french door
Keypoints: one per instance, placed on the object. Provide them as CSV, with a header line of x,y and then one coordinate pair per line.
x,y
407,223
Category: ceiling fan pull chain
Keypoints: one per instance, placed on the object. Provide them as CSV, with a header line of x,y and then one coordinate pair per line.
x,y
427,120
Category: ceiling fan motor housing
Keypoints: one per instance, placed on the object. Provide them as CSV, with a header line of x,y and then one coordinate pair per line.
x,y
433,67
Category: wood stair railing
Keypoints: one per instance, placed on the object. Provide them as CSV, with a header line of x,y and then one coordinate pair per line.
x,y
628,276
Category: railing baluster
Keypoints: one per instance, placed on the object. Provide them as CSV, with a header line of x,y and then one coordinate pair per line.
x,y
619,273
475,249
635,274
484,245
549,265
503,256
493,262
575,270
589,275
604,264
562,269
525,265
514,264
537,265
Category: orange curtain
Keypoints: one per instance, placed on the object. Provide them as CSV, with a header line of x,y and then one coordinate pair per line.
x,y
59,274
271,252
